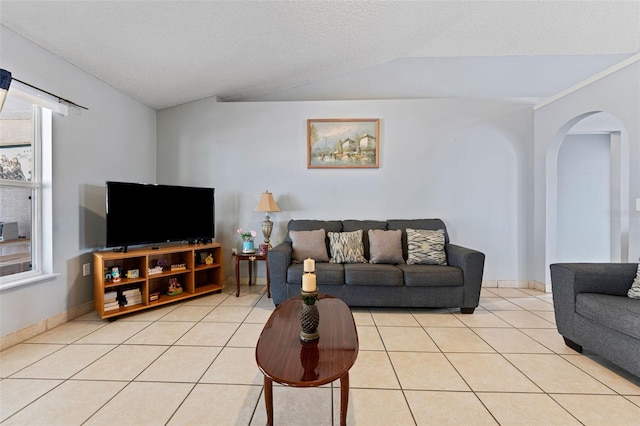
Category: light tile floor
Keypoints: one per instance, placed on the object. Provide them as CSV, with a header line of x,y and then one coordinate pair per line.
x,y
194,363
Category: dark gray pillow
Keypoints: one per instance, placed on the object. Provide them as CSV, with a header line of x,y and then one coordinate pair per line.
x,y
385,246
309,244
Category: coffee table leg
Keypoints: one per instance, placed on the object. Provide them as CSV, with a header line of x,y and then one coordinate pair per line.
x,y
268,399
344,398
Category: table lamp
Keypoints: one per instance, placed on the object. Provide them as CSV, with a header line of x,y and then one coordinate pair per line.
x,y
267,204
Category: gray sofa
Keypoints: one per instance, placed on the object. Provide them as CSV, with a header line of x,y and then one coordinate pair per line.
x,y
456,285
593,311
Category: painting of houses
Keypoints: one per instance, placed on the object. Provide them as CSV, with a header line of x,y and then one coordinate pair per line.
x,y
342,143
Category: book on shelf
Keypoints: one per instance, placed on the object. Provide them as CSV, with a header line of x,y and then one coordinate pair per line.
x,y
128,297
111,306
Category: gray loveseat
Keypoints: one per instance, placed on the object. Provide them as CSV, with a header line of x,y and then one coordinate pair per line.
x,y
593,311
456,285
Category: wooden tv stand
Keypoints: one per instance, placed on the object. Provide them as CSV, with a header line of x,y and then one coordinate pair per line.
x,y
185,263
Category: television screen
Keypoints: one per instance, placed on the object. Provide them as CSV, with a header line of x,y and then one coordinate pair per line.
x,y
140,213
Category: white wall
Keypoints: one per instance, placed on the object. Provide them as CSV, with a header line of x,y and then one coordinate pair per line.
x,y
471,162
584,199
465,161
114,140
616,93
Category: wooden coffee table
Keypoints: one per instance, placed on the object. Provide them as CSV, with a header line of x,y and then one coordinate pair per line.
x,y
283,358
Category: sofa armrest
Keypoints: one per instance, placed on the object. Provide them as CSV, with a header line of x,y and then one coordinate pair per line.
x,y
279,259
472,264
604,278
569,279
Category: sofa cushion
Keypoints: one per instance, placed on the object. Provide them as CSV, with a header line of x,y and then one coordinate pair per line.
x,y
616,312
309,244
425,247
634,291
385,246
431,275
365,225
346,247
326,274
311,225
373,275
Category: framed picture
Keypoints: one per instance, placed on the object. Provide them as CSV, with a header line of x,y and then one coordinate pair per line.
x,y
15,161
343,143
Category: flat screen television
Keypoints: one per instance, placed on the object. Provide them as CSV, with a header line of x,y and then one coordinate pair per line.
x,y
139,213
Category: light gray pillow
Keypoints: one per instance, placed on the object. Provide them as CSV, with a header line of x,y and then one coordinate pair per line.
x,y
634,291
425,247
385,246
309,244
346,247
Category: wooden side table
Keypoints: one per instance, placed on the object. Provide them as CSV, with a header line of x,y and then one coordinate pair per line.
x,y
250,258
284,359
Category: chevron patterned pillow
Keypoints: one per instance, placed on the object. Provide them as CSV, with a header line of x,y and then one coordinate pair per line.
x,y
346,247
634,291
425,247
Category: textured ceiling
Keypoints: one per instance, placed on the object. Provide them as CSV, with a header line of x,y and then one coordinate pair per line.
x,y
165,53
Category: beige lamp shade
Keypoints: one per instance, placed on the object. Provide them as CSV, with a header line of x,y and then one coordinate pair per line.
x,y
267,203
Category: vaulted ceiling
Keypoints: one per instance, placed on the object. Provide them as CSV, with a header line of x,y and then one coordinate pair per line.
x,y
165,53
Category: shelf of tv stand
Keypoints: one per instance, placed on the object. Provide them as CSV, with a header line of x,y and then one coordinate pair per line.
x,y
123,282
168,273
196,279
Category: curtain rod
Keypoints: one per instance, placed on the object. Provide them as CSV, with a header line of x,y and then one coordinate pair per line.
x,y
60,99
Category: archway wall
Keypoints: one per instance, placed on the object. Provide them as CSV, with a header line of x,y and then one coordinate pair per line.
x,y
616,92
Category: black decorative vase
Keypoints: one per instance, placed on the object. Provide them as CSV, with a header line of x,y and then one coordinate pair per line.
x,y
309,319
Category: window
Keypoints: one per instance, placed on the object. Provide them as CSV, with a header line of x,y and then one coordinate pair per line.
x,y
25,190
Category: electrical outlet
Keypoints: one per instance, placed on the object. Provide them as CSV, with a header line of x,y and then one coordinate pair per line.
x,y
86,269
234,251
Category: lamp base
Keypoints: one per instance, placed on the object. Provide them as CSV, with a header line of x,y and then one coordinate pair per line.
x,y
267,227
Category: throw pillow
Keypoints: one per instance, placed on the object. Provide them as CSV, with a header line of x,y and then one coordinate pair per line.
x,y
309,244
346,247
385,246
634,291
425,247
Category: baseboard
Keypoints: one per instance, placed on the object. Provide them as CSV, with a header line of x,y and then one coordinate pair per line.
x,y
537,285
529,284
41,326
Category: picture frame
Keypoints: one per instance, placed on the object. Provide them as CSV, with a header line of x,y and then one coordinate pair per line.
x,y
339,143
16,161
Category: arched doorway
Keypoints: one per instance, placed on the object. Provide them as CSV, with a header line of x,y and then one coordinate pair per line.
x,y
587,189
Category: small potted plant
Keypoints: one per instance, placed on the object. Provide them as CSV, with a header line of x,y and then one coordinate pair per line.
x,y
247,240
